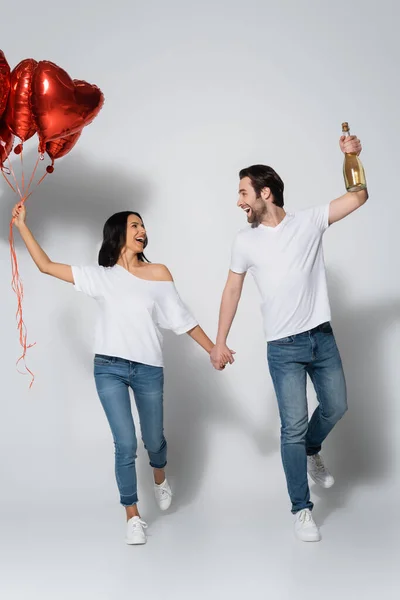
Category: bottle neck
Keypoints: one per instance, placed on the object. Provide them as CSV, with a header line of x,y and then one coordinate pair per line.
x,y
346,133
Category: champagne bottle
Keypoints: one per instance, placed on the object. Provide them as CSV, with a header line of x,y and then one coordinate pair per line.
x,y
353,170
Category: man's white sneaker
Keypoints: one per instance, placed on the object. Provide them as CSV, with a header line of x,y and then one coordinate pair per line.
x,y
305,527
318,472
163,494
135,533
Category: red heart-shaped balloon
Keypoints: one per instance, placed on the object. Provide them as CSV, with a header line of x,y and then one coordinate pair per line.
x,y
60,147
4,82
18,115
61,106
6,142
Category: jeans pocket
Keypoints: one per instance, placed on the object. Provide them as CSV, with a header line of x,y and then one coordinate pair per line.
x,y
100,360
326,328
282,341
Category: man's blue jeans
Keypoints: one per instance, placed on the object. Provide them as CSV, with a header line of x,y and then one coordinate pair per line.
x,y
290,359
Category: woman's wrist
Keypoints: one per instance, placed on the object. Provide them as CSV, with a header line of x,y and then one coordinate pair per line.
x,y
21,226
209,347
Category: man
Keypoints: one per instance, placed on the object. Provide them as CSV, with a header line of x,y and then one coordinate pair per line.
x,y
283,252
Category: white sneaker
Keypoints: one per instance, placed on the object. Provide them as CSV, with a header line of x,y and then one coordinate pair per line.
x,y
135,533
163,494
305,527
318,472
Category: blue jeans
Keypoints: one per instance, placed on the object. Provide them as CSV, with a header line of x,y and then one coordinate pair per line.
x,y
290,359
114,376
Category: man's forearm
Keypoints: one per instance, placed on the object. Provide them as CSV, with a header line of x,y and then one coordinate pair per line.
x,y
229,304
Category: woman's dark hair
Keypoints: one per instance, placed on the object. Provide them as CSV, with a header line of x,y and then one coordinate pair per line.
x,y
114,239
262,176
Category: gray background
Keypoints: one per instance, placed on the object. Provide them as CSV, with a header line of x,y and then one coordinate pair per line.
x,y
194,92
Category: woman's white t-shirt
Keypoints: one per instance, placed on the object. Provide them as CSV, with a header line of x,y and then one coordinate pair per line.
x,y
132,311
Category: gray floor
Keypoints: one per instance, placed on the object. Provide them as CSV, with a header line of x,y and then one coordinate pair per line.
x,y
229,545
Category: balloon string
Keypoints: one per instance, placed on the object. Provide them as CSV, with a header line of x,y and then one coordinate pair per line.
x,y
16,282
8,181
14,177
18,288
39,182
33,176
22,170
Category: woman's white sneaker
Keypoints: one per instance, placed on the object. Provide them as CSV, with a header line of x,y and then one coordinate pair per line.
x,y
163,494
305,527
318,472
135,531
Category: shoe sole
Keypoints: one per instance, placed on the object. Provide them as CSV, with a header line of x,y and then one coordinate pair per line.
x,y
323,485
135,543
312,540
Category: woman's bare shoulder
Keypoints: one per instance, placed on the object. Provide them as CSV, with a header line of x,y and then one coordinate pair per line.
x,y
158,272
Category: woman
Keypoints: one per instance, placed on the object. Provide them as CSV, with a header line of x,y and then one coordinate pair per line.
x,y
135,299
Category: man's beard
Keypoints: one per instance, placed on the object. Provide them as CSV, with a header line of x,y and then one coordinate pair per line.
x,y
258,213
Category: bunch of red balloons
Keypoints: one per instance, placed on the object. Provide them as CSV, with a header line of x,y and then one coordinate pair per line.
x,y
40,97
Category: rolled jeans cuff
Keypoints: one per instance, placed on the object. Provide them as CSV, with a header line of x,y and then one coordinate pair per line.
x,y
129,500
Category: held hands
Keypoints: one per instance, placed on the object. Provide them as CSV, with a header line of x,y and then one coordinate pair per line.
x,y
220,356
350,144
19,215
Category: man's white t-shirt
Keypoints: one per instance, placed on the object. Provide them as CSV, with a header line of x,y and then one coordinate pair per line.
x,y
287,264
131,312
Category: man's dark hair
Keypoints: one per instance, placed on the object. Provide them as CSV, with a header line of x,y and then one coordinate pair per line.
x,y
262,176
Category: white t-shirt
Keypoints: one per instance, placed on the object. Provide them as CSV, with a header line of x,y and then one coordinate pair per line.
x,y
287,264
132,310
